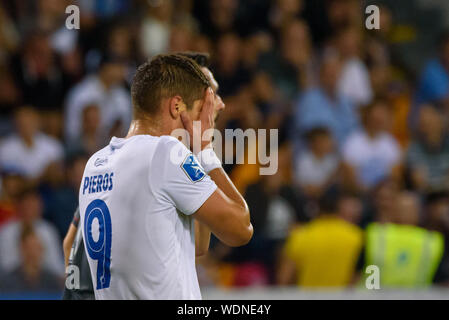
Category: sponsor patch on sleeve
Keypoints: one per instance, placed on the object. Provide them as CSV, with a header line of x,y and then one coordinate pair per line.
x,y
192,168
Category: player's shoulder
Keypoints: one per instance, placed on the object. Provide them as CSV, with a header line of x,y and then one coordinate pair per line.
x,y
94,158
170,146
168,141
160,146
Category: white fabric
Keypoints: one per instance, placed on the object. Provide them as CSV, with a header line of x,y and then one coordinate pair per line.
x,y
150,203
355,82
64,40
280,217
154,36
311,170
15,154
208,159
373,158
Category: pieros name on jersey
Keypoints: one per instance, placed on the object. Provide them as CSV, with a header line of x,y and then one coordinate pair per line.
x,y
99,183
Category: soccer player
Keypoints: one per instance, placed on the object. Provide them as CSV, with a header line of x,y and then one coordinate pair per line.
x,y
139,205
73,242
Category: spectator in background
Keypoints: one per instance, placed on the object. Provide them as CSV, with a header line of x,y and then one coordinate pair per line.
x,y
30,213
350,208
317,167
120,43
409,255
235,81
276,206
12,184
156,27
354,79
104,89
31,275
28,150
283,11
388,79
275,110
91,139
436,211
372,153
60,191
428,154
381,202
433,85
221,17
342,13
268,100
324,106
397,93
10,97
379,41
38,73
49,15
9,35
436,218
289,63
324,252
181,37
228,68
105,9
50,18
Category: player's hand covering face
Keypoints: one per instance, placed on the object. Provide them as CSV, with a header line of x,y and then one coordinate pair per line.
x,y
205,114
219,105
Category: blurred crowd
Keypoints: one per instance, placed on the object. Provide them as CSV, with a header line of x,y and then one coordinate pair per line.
x,y
363,152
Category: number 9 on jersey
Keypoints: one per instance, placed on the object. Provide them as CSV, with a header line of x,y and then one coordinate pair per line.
x,y
98,237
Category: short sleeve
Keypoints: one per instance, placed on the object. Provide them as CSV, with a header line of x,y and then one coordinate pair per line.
x,y
177,177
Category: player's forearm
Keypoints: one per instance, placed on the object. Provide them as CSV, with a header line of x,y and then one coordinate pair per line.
x,y
229,217
225,184
68,242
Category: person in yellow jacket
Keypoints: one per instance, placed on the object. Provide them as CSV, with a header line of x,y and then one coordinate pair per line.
x,y
407,256
323,252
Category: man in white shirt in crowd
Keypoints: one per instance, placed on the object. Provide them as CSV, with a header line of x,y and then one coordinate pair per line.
x,y
372,153
354,81
29,151
104,89
317,166
148,204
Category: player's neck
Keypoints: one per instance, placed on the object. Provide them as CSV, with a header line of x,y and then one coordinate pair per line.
x,y
147,127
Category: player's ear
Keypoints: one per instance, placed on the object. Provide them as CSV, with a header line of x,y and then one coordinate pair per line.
x,y
176,106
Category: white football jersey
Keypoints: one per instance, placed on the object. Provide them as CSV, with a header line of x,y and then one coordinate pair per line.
x,y
135,206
